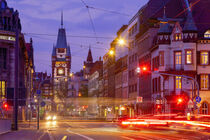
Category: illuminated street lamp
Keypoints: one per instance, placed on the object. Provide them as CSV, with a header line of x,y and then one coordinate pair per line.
x,y
84,67
71,74
111,52
121,42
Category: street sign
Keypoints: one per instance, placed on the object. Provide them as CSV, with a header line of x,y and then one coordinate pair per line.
x,y
198,105
38,92
190,104
198,99
43,104
139,99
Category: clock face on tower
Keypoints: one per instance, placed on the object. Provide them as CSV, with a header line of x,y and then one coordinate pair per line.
x,y
60,72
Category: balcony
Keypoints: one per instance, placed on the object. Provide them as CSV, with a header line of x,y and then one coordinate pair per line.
x,y
172,68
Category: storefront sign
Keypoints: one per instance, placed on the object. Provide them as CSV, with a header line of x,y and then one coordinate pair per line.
x,y
10,38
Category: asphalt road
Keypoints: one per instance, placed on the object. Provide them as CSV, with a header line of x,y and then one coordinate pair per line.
x,y
65,130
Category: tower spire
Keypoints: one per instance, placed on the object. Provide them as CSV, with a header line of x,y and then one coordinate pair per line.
x,y
62,19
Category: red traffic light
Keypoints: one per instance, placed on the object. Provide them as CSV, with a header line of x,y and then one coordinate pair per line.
x,y
142,69
179,100
5,106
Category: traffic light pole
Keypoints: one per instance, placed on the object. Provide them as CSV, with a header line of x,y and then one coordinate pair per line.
x,y
183,76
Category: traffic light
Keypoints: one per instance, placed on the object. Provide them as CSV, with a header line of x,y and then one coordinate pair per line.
x,y
180,100
142,69
5,106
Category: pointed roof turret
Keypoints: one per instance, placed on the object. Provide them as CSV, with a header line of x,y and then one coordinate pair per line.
x,y
68,51
61,40
54,51
89,58
164,25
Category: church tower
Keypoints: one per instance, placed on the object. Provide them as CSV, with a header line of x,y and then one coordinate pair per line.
x,y
61,54
88,64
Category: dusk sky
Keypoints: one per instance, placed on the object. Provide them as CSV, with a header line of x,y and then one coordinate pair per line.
x,y
43,17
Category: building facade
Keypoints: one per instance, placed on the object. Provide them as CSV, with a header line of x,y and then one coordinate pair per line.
x,y
10,26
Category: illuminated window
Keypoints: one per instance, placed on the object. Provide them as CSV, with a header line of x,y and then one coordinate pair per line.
x,y
204,81
178,37
189,57
178,82
2,89
204,58
204,108
207,34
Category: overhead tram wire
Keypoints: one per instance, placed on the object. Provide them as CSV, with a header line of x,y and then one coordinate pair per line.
x,y
91,20
80,45
73,36
109,11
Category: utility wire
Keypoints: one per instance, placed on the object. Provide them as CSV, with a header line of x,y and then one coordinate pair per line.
x,y
91,20
75,36
109,11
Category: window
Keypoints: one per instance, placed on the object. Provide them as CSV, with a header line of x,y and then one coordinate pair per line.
x,y
2,89
204,81
178,82
204,108
204,58
61,50
3,5
188,57
161,56
3,58
135,87
178,37
178,60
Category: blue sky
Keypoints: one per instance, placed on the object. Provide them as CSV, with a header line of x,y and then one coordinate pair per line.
x,y
43,17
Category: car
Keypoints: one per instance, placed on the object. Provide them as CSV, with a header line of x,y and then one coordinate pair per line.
x,y
51,117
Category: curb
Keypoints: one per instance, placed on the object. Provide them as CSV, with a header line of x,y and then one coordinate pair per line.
x,y
5,132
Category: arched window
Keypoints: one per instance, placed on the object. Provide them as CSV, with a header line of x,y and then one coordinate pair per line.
x,y
204,108
207,34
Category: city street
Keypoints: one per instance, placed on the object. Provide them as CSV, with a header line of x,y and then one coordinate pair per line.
x,y
66,130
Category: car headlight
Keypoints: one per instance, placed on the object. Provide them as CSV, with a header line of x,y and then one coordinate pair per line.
x,y
54,117
48,118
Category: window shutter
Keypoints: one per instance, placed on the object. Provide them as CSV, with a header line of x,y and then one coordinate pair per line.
x,y
198,57
199,81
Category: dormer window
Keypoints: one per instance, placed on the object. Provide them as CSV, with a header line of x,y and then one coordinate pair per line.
x,y
178,37
207,34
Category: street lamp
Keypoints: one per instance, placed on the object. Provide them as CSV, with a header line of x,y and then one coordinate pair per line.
x,y
121,41
111,52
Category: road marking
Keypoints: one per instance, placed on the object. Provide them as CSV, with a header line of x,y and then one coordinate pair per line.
x,y
41,136
50,135
127,138
64,138
88,138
